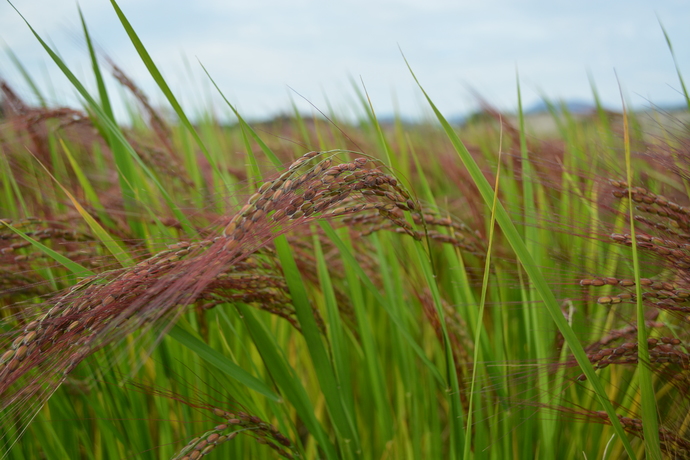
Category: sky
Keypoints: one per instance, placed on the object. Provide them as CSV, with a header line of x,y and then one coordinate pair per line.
x,y
266,55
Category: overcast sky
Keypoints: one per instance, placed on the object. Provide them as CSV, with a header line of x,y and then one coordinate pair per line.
x,y
257,49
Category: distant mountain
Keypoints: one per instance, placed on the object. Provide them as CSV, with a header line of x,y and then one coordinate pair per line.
x,y
581,107
573,106
668,107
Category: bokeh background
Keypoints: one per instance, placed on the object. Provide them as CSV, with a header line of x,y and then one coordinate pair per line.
x,y
267,54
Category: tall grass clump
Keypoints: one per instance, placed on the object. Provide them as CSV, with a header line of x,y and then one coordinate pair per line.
x,y
186,288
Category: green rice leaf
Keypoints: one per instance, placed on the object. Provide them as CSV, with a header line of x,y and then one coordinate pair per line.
x,y
364,278
56,256
113,130
246,127
330,385
532,269
222,363
163,85
113,246
650,423
285,378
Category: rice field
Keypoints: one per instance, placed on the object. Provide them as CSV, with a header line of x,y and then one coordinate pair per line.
x,y
310,287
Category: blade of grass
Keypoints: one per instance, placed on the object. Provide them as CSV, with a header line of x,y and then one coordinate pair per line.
x,y
482,302
100,83
453,389
89,191
111,127
113,246
285,378
372,363
540,283
56,256
364,278
254,173
12,200
221,363
163,85
650,424
27,77
122,159
340,416
336,328
675,62
245,126
382,138
537,317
